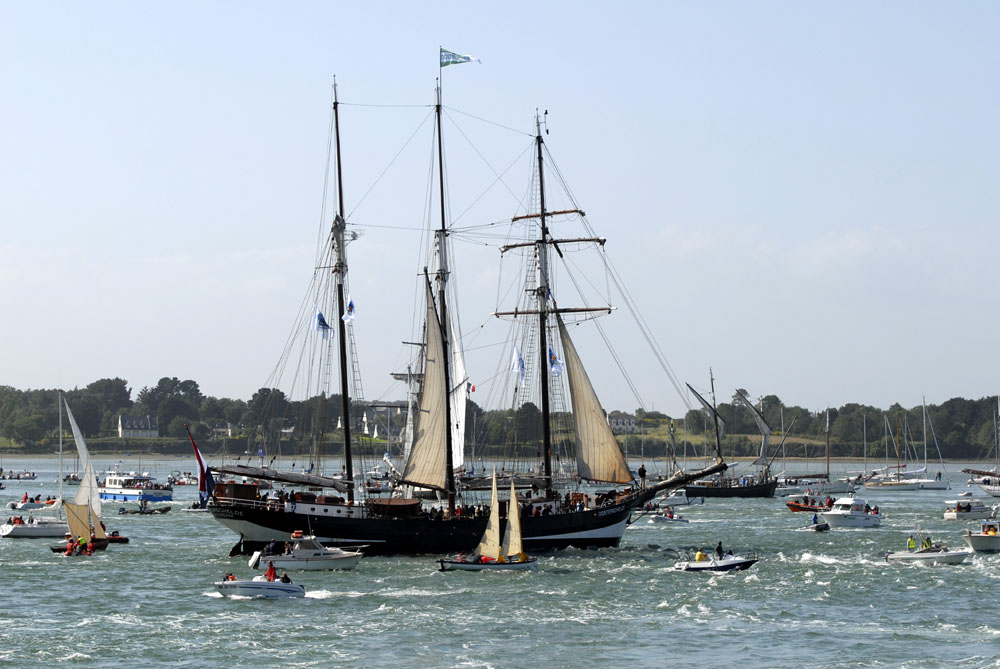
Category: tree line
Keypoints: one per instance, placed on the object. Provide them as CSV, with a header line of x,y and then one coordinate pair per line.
x,y
960,428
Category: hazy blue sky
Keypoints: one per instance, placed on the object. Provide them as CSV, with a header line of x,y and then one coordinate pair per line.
x,y
800,195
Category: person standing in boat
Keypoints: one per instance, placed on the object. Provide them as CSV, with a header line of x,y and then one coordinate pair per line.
x,y
718,551
911,544
815,519
270,574
642,475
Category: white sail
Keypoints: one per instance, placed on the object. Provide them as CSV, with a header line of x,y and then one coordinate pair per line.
x,y
489,545
459,397
427,464
598,455
512,547
87,493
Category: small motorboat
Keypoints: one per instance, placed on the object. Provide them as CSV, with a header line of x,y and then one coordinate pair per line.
x,y
33,528
144,511
728,562
986,540
934,555
304,552
815,527
852,512
116,538
967,509
259,586
667,516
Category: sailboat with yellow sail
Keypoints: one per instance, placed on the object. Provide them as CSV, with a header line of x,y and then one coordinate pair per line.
x,y
492,553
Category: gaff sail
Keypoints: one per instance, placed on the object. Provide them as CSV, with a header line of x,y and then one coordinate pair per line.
x,y
598,455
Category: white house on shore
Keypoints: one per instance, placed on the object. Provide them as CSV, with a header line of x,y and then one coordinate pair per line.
x,y
137,427
623,423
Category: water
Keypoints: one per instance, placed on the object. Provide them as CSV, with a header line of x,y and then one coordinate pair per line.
x,y
814,599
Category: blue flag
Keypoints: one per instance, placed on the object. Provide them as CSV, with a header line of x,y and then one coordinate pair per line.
x,y
555,364
320,324
349,311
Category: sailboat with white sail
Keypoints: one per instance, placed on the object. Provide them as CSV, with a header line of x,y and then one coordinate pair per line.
x,y
398,522
40,527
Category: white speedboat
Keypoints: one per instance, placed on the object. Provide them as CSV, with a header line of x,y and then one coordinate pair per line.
x,y
727,563
305,552
967,509
851,512
815,527
986,540
667,516
934,555
32,504
260,587
34,528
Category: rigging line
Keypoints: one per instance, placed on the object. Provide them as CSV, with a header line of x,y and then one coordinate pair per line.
x,y
499,176
387,167
326,173
478,118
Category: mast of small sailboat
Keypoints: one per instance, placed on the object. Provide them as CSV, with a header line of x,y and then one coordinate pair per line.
x,y
543,314
828,445
442,234
61,482
339,271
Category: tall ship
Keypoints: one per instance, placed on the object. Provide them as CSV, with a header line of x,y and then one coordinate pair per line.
x,y
573,483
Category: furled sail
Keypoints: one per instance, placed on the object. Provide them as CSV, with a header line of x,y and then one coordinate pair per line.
x,y
459,397
512,547
489,545
598,455
427,464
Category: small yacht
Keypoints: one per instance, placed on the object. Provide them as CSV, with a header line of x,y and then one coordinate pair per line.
x,y
967,509
987,539
852,512
33,528
728,562
119,486
304,552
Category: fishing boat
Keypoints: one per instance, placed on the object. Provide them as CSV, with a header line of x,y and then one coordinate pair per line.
x,y
304,552
396,522
934,555
492,553
756,485
259,586
711,562
967,509
986,540
851,512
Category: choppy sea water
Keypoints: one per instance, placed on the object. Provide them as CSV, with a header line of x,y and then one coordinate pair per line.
x,y
816,600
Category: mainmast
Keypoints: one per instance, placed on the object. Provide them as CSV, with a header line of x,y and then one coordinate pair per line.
x,y
442,279
339,271
543,313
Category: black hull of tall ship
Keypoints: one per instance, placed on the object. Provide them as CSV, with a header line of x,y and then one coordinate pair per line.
x,y
752,490
594,528
604,526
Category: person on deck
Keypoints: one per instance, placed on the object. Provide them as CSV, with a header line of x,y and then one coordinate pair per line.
x,y
285,578
718,551
700,555
815,519
911,544
270,574
642,475
926,543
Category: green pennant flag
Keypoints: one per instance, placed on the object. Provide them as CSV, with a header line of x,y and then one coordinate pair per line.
x,y
451,58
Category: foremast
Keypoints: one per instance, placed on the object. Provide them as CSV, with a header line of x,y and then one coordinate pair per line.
x,y
339,273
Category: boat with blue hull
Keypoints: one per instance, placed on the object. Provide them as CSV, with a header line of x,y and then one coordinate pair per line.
x,y
119,486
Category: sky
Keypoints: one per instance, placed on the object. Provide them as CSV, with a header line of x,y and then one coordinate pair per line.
x,y
799,195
